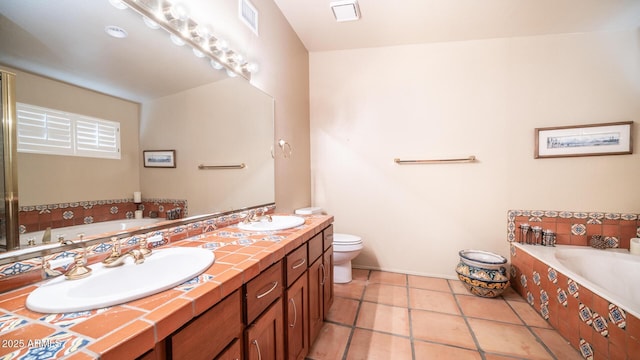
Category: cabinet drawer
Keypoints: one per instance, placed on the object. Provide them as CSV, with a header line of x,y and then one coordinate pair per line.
x,y
315,248
263,290
327,233
296,263
208,334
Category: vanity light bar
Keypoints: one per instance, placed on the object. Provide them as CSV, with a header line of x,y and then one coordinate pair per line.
x,y
177,23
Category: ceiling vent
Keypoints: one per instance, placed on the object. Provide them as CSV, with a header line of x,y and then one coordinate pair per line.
x,y
346,10
248,14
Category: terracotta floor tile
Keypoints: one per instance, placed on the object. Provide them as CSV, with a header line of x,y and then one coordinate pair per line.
x,y
511,295
352,290
507,339
500,357
386,294
495,309
360,274
370,345
528,314
390,319
429,283
441,328
433,300
557,344
343,311
331,343
424,350
457,287
387,278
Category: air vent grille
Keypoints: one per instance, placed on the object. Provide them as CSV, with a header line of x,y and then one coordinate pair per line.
x,y
249,15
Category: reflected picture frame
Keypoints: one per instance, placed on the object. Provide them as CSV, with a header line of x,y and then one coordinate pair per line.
x,y
159,158
584,140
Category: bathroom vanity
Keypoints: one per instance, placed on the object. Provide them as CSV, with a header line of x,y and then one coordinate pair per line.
x,y
265,297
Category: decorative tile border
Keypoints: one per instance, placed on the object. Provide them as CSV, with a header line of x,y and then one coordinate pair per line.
x,y
39,217
577,227
14,275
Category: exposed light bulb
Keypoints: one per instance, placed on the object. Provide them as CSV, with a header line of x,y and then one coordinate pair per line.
x,y
231,73
176,40
198,53
216,65
176,12
222,45
251,67
118,4
150,23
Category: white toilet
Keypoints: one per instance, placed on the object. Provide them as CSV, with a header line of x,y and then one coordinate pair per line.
x,y
345,248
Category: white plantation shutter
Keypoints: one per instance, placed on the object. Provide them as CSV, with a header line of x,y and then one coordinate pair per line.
x,y
46,131
42,130
97,138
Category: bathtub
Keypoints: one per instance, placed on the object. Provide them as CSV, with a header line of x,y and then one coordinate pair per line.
x,y
613,274
86,230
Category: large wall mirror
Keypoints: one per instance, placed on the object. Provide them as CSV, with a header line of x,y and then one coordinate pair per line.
x,y
163,95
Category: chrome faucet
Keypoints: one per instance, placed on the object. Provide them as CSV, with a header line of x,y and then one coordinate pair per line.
x,y
116,258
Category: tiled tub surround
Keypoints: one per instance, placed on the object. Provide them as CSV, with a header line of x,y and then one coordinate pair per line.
x,y
576,228
599,327
131,329
39,217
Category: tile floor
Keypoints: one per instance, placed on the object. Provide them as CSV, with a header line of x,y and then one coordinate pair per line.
x,y
383,315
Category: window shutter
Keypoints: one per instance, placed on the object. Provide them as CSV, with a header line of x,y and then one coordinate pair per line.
x,y
42,130
97,137
47,131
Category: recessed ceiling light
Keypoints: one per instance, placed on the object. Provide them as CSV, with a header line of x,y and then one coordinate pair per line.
x,y
116,32
346,10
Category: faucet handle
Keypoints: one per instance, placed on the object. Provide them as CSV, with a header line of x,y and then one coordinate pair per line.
x,y
144,248
79,269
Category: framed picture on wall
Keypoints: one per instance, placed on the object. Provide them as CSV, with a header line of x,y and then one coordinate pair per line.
x,y
159,158
584,140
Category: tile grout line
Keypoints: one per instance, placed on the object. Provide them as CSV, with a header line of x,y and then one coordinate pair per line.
x,y
411,339
466,321
538,339
355,320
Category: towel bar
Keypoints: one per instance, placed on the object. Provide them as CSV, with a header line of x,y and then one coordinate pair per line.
x,y
471,158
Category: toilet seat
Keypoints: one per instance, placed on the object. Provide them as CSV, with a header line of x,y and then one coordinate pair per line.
x,y
346,239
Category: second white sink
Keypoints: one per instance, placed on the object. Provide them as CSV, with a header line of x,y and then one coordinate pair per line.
x,y
164,269
278,222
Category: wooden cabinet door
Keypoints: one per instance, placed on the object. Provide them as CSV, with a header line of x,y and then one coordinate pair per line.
x,y
233,352
210,333
316,299
296,319
265,337
327,283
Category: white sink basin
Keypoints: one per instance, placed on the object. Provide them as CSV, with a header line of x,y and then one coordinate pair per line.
x,y
278,222
164,269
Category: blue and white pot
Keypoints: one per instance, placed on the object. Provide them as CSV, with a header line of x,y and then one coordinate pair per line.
x,y
483,273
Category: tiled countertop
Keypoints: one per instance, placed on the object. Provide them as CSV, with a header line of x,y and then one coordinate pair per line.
x,y
131,329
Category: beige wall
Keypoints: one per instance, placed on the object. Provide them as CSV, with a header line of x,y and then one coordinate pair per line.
x,y
45,179
224,123
481,98
283,74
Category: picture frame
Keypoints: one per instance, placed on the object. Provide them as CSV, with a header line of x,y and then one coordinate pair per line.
x,y
159,158
584,140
